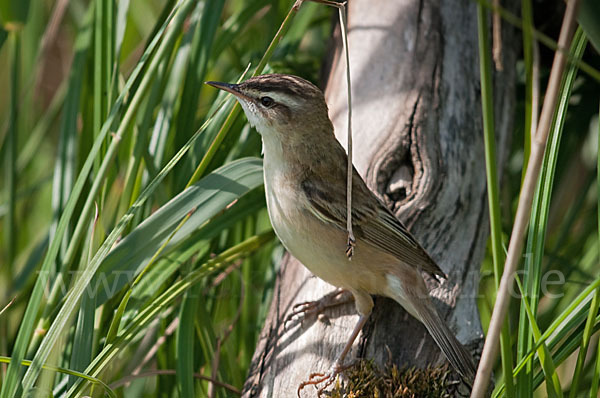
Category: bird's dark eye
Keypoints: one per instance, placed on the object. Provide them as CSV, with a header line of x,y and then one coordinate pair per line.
x,y
266,101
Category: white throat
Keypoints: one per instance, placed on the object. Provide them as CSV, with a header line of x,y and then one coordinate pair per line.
x,y
271,147
275,161
259,123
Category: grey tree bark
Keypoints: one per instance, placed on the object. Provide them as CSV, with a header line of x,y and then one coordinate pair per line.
x,y
418,143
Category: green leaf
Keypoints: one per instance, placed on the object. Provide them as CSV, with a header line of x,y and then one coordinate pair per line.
x,y
196,244
13,13
28,323
487,110
214,192
204,200
65,168
585,342
3,36
149,312
10,183
563,325
70,372
552,382
596,373
185,342
589,19
535,246
200,51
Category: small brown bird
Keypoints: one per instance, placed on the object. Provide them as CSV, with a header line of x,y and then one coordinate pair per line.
x,y
305,185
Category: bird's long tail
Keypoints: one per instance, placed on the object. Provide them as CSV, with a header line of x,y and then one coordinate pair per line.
x,y
414,298
454,351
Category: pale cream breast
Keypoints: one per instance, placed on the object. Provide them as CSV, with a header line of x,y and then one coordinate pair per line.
x,y
317,245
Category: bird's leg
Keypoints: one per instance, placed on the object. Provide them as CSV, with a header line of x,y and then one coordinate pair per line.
x,y
309,308
329,377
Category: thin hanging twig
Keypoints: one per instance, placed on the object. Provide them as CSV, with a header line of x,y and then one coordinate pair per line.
x,y
343,24
351,239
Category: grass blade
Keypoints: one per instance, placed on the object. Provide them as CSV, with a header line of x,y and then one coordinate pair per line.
x,y
487,101
69,372
148,313
212,185
10,149
596,374
541,207
185,343
553,387
27,324
585,342
203,166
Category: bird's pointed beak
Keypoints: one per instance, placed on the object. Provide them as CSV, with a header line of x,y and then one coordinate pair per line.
x,y
230,88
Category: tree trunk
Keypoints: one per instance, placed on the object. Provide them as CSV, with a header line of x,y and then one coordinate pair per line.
x,y
418,143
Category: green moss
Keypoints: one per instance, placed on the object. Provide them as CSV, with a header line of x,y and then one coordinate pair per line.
x,y
365,379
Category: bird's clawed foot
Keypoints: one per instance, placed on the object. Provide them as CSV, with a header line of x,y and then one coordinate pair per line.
x,y
323,379
303,310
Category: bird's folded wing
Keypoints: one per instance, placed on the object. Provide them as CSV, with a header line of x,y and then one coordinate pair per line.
x,y
372,222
